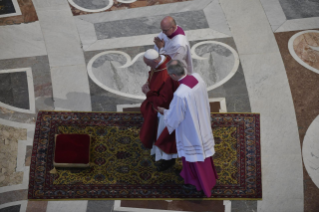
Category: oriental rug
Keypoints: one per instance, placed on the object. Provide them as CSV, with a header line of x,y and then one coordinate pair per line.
x,y
123,169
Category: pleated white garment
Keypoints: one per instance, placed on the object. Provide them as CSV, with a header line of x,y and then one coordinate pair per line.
x,y
159,154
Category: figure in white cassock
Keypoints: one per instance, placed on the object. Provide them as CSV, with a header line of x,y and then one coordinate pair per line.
x,y
172,41
189,116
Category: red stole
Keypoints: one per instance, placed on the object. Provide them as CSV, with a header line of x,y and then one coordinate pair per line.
x,y
162,89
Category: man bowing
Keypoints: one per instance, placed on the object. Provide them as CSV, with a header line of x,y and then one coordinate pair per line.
x,y
189,116
159,90
172,41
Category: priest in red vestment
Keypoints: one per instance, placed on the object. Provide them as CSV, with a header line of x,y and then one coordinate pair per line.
x,y
159,90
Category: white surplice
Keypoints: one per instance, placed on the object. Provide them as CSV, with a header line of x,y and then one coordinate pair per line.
x,y
177,48
159,154
189,116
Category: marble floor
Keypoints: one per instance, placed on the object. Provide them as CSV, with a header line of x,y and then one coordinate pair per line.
x,y
258,56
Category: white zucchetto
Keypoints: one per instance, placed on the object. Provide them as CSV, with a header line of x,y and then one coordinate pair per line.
x,y
151,54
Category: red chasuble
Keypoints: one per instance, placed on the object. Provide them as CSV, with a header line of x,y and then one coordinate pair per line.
x,y
162,89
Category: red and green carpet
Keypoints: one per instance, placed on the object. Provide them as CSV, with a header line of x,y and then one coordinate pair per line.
x,y
122,169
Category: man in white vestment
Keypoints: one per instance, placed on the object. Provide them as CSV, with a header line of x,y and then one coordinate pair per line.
x,y
189,116
172,41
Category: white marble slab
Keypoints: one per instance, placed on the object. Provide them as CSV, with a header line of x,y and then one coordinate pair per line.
x,y
50,5
145,11
299,24
86,31
274,13
69,206
23,40
142,40
117,207
71,88
270,96
216,18
61,38
247,19
16,8
310,151
274,27
227,204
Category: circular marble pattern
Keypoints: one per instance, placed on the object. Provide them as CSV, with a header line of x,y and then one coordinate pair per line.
x,y
126,1
304,48
92,5
310,151
216,62
116,72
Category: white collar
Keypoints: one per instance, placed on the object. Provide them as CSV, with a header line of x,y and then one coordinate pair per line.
x,y
182,77
162,60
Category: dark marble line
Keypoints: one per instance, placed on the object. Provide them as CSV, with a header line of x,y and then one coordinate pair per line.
x,y
296,9
6,7
149,25
41,82
14,208
12,196
20,90
97,206
14,89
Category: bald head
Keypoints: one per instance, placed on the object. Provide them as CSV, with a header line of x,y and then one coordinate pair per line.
x,y
168,21
168,25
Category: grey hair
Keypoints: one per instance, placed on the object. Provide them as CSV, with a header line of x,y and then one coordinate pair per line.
x,y
175,67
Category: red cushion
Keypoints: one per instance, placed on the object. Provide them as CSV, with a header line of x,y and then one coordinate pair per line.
x,y
72,148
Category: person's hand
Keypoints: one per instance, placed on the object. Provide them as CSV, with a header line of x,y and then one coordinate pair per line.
x,y
160,110
145,88
159,42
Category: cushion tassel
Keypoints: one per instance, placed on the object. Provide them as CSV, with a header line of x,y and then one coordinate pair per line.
x,y
53,171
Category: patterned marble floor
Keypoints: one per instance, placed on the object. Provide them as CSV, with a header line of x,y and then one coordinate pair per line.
x,y
262,56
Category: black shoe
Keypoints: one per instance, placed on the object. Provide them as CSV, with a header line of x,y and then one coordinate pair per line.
x,y
188,186
165,164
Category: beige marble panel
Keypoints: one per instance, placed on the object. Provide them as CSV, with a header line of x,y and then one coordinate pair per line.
x,y
9,137
306,47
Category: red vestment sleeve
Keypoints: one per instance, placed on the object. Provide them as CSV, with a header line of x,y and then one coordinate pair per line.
x,y
149,127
